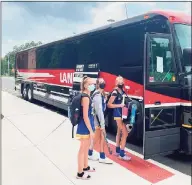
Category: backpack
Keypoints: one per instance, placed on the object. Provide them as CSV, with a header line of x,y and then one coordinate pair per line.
x,y
94,93
107,110
118,94
74,110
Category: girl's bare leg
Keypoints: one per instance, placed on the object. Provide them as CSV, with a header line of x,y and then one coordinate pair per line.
x,y
118,136
92,144
121,125
81,156
86,166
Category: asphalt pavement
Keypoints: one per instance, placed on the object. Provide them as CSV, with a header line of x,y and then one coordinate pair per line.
x,y
179,162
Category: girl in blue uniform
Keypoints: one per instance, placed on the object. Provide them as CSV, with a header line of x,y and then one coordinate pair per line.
x,y
116,103
85,129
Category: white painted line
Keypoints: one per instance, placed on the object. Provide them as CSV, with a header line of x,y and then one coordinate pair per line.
x,y
29,74
168,104
91,73
36,82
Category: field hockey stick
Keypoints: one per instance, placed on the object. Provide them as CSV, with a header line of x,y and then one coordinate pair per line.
x,y
107,143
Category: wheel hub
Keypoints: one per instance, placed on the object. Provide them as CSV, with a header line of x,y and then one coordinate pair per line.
x,y
29,94
24,92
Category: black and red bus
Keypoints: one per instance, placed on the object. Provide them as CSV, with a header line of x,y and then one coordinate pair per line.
x,y
152,52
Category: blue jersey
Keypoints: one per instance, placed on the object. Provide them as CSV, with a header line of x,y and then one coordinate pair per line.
x,y
117,112
82,130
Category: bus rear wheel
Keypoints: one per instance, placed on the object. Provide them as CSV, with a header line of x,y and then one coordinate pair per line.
x,y
24,93
29,94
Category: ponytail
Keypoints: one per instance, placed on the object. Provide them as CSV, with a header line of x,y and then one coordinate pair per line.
x,y
84,81
97,83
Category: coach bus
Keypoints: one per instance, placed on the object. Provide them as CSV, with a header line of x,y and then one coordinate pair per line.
x,y
152,52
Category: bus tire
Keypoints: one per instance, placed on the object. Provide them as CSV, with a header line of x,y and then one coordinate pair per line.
x,y
29,93
24,92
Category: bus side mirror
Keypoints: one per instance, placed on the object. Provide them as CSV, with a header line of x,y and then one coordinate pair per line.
x,y
186,63
186,59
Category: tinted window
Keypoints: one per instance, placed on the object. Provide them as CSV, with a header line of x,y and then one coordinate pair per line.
x,y
120,47
22,60
117,48
64,56
157,25
44,57
61,55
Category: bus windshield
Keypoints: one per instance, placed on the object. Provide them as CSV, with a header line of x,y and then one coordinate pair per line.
x,y
183,33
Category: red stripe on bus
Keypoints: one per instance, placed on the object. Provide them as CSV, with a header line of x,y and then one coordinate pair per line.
x,y
135,88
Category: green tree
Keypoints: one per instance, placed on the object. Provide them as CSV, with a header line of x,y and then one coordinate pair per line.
x,y
11,56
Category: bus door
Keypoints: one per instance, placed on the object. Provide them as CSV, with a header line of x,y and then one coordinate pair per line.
x,y
161,88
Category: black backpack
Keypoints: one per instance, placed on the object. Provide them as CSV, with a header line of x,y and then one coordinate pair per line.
x,y
75,112
118,94
107,110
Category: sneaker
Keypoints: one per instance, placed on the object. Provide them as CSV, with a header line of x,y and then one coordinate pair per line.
x,y
105,161
93,157
83,176
89,169
125,158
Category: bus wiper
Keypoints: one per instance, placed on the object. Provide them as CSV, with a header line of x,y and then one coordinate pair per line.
x,y
188,73
185,74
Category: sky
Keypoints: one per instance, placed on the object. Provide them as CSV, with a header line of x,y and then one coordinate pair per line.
x,y
49,21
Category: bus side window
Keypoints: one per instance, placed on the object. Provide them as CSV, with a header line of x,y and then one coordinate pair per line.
x,y
161,66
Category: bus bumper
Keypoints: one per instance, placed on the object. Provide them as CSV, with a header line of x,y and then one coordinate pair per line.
x,y
186,140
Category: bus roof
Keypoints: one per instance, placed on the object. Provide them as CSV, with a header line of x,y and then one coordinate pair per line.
x,y
172,16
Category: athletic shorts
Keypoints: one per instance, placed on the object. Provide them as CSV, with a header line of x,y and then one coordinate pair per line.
x,y
117,113
97,124
82,130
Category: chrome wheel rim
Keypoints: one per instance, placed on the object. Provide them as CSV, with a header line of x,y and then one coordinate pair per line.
x,y
29,94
